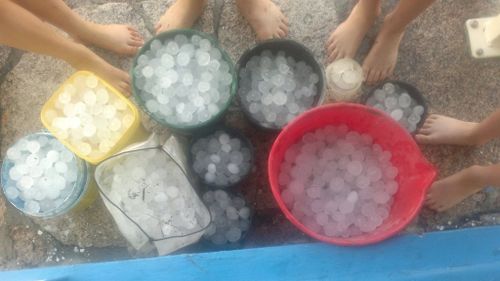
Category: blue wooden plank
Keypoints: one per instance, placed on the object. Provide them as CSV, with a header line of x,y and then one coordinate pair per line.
x,y
467,254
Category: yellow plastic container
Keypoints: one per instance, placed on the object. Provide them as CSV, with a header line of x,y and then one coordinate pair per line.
x,y
134,133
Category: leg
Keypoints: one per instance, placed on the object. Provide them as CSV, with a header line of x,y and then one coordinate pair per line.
x,y
182,14
452,190
345,40
265,18
20,29
439,129
382,58
121,39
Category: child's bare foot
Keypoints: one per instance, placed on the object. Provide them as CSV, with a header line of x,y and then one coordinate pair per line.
x,y
85,59
121,39
182,14
345,40
265,17
439,129
381,60
452,190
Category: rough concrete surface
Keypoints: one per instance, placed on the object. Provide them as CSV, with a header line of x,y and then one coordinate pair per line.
x,y
4,54
433,56
2,211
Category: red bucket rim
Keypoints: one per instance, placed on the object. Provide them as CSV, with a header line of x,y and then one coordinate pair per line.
x,y
355,241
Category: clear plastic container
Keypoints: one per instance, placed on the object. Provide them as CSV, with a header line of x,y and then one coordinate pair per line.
x,y
147,189
344,78
79,194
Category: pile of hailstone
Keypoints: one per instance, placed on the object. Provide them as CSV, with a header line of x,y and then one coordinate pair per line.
x,y
337,182
396,102
183,81
220,159
154,193
89,116
275,88
230,217
42,174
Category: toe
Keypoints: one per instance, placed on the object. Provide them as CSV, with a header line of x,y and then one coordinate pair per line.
x,y
385,74
376,77
132,29
329,41
425,131
441,208
370,73
125,89
390,71
136,35
379,77
432,205
131,50
333,56
428,202
284,28
284,20
281,34
428,123
135,43
331,47
423,138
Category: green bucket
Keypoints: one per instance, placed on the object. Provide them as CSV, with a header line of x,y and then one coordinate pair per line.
x,y
179,128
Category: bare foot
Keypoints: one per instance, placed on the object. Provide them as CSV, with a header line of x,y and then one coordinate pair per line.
x,y
381,60
85,59
345,40
452,190
120,39
439,129
182,14
265,18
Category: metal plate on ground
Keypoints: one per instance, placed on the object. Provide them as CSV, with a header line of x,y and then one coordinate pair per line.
x,y
479,48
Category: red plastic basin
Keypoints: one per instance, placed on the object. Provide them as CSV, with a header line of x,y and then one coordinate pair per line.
x,y
415,173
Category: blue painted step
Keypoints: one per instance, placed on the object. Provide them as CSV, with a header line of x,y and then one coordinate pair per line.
x,y
466,254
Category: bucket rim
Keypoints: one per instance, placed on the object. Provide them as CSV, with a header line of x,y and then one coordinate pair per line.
x,y
431,174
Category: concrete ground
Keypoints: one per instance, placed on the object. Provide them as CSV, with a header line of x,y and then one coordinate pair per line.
x,y
433,56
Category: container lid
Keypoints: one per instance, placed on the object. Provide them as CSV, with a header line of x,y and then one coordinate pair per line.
x,y
345,74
